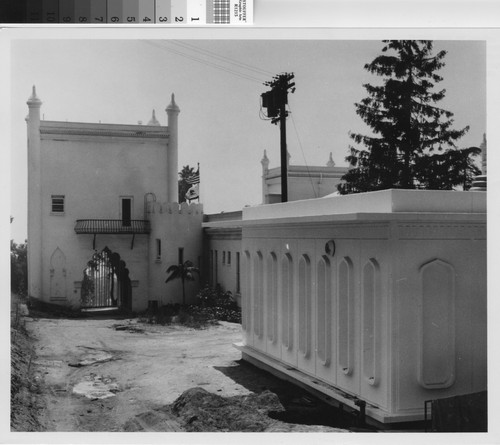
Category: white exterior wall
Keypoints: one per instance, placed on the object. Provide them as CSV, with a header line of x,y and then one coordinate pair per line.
x,y
93,172
385,294
222,234
303,182
177,226
92,166
225,273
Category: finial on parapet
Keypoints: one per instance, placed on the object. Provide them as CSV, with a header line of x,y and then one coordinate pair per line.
x,y
265,161
33,99
172,106
330,162
153,120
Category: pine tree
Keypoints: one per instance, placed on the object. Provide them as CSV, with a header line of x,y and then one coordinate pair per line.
x,y
413,144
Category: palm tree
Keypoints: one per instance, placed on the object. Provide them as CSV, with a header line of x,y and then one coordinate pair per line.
x,y
185,271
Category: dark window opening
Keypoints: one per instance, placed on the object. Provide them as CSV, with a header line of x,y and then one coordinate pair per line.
x,y
126,211
216,280
158,249
238,272
57,204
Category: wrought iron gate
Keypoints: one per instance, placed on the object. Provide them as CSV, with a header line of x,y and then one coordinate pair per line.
x,y
106,282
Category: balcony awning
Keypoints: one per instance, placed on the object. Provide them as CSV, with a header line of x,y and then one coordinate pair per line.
x,y
112,226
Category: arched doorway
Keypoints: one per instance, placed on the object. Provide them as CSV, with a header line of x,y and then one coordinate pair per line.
x,y
106,282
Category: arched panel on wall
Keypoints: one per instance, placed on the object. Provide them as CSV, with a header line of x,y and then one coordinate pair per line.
x,y
371,321
58,276
324,311
246,296
258,294
287,301
272,297
345,314
305,306
437,325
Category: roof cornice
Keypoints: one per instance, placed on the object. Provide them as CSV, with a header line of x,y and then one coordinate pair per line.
x,y
103,130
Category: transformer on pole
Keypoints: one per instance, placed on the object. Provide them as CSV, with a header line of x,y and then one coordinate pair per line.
x,y
275,102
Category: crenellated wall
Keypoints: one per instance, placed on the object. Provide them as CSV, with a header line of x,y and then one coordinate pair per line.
x,y
174,208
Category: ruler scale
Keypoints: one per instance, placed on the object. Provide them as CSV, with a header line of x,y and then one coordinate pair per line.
x,y
50,11
34,11
178,12
82,11
67,11
98,11
131,12
115,11
196,12
163,8
146,11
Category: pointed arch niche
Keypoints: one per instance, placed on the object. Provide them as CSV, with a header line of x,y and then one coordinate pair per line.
x,y
305,306
371,321
258,294
287,301
437,325
345,313
324,311
272,297
58,286
246,319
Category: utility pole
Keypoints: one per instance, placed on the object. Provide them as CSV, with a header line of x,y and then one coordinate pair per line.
x,y
275,101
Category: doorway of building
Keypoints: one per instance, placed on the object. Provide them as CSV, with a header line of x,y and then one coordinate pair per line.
x,y
106,282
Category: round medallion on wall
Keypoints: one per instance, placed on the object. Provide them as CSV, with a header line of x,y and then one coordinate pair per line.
x,y
330,248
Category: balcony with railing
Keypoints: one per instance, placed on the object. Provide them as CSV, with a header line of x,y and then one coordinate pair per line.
x,y
113,227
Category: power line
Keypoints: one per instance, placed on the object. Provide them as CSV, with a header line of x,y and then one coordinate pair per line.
x,y
207,63
303,154
222,58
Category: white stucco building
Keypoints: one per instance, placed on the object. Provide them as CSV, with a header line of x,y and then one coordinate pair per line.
x,y
379,297
304,181
375,297
106,187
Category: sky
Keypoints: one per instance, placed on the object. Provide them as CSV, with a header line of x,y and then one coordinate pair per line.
x,y
217,85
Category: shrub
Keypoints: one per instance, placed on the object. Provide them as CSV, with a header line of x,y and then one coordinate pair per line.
x,y
18,268
219,304
212,304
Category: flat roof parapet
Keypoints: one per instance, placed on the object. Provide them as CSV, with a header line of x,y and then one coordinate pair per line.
x,y
390,201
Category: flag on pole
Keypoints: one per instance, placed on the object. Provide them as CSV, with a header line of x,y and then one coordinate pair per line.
x,y
195,179
194,182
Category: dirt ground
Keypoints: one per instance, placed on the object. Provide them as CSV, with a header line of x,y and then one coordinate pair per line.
x,y
111,375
